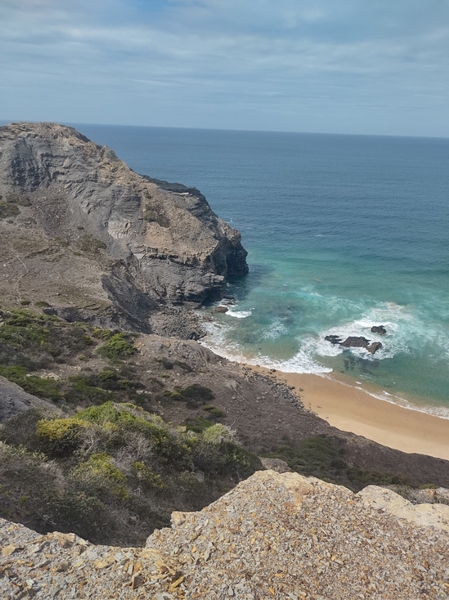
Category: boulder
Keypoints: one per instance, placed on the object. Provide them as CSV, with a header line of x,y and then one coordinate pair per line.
x,y
333,339
355,342
374,347
221,309
379,329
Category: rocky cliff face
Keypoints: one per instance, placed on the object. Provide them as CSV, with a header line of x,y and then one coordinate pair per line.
x,y
110,234
273,536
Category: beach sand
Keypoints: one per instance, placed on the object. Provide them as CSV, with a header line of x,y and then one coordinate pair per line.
x,y
351,408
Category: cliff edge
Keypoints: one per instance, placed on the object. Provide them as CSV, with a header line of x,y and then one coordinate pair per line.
x,y
273,536
109,234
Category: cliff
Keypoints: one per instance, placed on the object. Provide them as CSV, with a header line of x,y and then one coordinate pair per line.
x,y
273,536
81,230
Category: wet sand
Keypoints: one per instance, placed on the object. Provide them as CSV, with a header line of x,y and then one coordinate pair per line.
x,y
351,408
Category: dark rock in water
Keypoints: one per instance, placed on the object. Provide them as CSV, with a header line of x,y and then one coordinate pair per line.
x,y
380,329
374,347
355,342
221,309
333,339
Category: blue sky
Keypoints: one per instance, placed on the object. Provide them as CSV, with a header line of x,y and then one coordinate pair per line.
x,y
347,66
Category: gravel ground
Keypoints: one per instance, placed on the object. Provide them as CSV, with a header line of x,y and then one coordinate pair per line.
x,y
274,536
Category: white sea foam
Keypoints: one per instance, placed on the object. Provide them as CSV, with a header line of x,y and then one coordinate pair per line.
x,y
276,329
239,314
217,340
403,328
304,362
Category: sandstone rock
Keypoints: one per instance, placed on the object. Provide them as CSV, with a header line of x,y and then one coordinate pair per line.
x,y
273,536
425,515
275,464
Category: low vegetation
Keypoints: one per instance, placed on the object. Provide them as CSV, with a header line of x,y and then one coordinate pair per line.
x,y
114,472
324,457
107,466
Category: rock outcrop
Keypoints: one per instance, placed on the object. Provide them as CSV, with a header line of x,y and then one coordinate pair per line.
x,y
110,234
14,400
278,536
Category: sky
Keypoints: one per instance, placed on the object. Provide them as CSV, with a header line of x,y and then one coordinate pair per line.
x,y
349,66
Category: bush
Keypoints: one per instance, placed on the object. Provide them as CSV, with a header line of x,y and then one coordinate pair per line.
x,y
38,386
117,346
8,210
194,395
218,433
100,477
60,437
214,413
323,457
147,477
87,243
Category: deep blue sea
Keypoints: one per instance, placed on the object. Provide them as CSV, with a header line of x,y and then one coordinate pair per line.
x,y
343,232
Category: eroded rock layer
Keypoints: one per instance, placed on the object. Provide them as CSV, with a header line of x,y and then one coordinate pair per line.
x,y
110,235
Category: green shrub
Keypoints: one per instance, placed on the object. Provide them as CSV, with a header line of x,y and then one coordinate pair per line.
x,y
99,476
214,413
323,457
156,216
38,386
87,243
218,433
102,334
197,424
18,199
117,346
60,437
80,391
124,417
194,395
147,477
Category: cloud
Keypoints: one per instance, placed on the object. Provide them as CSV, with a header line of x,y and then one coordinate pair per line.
x,y
166,58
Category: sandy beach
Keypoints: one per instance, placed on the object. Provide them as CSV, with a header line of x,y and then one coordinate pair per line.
x,y
351,408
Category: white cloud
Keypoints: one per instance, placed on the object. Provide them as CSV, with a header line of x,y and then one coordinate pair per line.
x,y
228,55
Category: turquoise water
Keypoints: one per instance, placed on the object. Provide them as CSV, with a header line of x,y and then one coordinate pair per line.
x,y
343,232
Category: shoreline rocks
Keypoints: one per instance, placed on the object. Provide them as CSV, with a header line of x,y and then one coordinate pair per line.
x,y
359,341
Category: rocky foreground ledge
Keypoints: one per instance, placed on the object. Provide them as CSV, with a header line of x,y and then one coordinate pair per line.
x,y
274,536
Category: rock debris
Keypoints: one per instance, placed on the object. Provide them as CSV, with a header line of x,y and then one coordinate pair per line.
x,y
280,536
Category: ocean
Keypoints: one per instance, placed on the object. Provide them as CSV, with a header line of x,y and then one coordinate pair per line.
x,y
343,232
